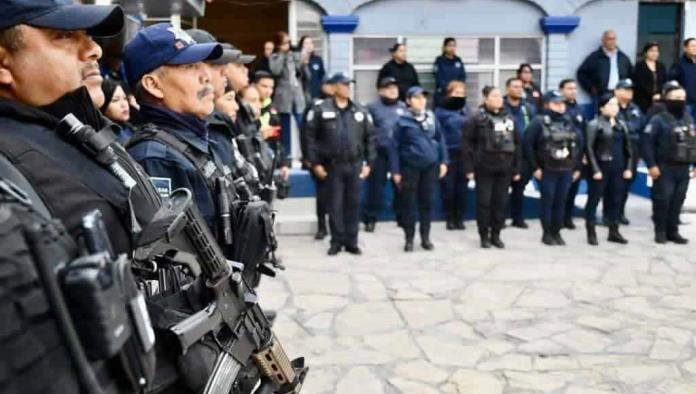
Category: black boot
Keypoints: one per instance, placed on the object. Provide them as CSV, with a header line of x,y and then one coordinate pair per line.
x,y
451,225
425,242
408,247
520,223
547,238
568,223
321,229
459,224
496,241
660,237
485,239
370,226
614,234
624,220
556,231
592,234
677,238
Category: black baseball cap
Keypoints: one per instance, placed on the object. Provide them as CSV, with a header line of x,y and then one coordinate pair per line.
x,y
97,20
340,77
204,37
669,86
553,96
243,58
415,90
626,83
386,81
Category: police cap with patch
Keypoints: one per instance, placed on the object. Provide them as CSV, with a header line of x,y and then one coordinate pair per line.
x,y
163,44
386,81
553,96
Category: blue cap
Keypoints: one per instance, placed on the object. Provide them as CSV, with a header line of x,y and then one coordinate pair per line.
x,y
162,44
414,91
340,77
553,96
669,86
625,83
100,21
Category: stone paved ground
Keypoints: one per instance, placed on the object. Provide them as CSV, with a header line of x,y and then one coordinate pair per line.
x,y
529,319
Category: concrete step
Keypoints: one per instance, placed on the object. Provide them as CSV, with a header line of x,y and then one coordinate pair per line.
x,y
295,216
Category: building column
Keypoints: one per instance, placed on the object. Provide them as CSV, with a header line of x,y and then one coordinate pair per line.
x,y
339,29
689,19
557,29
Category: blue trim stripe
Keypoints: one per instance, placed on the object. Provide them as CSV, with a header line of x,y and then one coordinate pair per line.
x,y
339,23
559,24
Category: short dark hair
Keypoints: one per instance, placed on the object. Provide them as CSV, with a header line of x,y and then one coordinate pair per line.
x,y
11,38
648,46
447,40
522,67
261,74
688,41
511,80
487,90
564,82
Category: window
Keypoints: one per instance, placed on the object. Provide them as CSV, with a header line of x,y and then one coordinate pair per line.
x,y
308,23
488,60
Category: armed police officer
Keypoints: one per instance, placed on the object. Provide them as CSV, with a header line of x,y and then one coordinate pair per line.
x,y
609,153
552,146
632,116
452,113
492,155
340,139
669,151
422,151
569,90
385,111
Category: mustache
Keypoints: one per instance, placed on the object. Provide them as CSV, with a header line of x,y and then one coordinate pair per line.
x,y
205,91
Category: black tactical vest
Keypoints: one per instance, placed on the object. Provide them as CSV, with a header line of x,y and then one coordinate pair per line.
x,y
560,140
500,132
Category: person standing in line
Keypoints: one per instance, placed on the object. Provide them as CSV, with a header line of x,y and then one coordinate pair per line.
x,y
532,93
399,69
448,67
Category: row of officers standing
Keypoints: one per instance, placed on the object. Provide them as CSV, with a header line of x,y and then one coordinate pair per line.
x,y
501,146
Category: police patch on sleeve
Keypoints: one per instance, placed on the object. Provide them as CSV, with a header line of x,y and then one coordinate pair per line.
x,y
162,185
648,129
310,115
359,117
399,111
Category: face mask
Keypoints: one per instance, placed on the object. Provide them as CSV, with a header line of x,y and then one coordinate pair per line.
x,y
388,101
454,103
676,107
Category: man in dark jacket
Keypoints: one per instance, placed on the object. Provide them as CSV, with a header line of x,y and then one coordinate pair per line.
x,y
684,72
569,90
630,113
448,67
399,69
385,111
340,135
605,67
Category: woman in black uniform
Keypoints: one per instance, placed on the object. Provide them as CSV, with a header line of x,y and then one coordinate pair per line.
x,y
491,149
610,155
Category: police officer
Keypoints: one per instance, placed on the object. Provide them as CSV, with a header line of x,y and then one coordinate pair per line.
x,y
522,113
448,67
340,139
452,113
322,198
492,154
551,144
422,151
384,111
166,66
632,116
669,151
569,90
609,154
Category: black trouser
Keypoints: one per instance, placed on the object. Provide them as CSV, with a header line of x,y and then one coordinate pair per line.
x,y
344,189
322,196
635,145
491,200
517,193
610,190
570,198
454,187
668,194
417,189
375,186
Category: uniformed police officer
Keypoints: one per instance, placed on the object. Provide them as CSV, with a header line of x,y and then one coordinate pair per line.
x,y
452,113
322,198
166,66
448,67
669,151
340,139
551,144
491,155
632,116
610,158
569,90
385,110
522,113
422,153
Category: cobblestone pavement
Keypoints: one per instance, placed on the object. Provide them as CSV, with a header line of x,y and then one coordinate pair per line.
x,y
529,319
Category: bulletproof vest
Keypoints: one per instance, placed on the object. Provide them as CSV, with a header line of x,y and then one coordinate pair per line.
x,y
68,324
682,139
500,133
560,140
